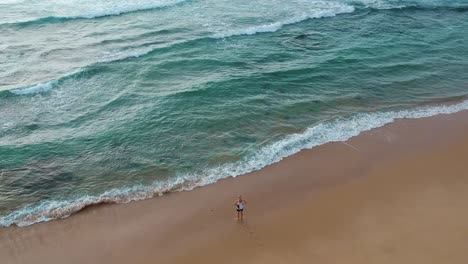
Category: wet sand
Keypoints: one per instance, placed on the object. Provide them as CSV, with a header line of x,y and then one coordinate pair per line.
x,y
397,194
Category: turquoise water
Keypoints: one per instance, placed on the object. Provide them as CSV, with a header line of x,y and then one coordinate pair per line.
x,y
109,101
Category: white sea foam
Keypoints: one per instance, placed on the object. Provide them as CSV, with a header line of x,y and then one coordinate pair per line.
x,y
340,129
38,88
9,2
99,8
327,11
70,9
57,209
377,4
392,4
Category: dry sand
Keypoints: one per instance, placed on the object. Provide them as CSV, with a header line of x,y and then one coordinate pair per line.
x,y
396,194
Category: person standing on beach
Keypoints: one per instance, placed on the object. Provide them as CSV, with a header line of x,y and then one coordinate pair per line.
x,y
240,203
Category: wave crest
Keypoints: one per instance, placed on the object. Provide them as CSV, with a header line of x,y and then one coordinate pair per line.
x,y
330,11
89,9
38,88
389,4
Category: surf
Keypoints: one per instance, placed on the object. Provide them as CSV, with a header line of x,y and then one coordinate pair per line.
x,y
336,130
86,9
330,11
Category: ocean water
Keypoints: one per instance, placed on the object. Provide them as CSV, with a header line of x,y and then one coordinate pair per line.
x,y
114,101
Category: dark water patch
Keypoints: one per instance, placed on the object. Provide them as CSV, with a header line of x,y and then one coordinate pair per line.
x,y
56,52
139,37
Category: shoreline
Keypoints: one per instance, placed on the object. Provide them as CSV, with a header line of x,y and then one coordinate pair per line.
x,y
374,198
266,156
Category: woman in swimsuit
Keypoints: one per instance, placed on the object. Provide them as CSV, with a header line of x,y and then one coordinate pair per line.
x,y
240,203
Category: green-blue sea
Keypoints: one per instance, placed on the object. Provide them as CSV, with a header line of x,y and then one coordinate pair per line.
x,y
106,101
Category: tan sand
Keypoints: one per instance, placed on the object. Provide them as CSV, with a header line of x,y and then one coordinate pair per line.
x,y
398,194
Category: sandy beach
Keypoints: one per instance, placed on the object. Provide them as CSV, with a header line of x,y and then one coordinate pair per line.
x,y
397,194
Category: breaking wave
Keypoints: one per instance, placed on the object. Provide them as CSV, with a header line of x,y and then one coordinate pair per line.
x,y
38,88
337,130
331,11
89,9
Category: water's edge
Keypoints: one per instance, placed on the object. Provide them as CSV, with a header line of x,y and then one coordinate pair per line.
x,y
340,129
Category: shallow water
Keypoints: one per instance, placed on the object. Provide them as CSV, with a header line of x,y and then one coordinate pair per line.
x,y
106,101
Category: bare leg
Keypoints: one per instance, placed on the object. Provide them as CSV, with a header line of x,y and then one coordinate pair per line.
x,y
241,215
238,215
